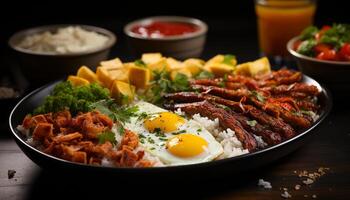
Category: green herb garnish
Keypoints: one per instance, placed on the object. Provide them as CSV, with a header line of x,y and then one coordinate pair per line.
x,y
252,123
337,35
140,63
179,132
204,75
180,83
150,140
158,132
221,84
228,59
125,113
259,96
121,130
107,136
308,112
142,116
116,112
306,47
309,32
162,84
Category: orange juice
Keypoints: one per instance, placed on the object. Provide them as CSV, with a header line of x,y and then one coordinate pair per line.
x,y
279,21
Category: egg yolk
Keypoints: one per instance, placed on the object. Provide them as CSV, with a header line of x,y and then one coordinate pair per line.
x,y
165,122
186,145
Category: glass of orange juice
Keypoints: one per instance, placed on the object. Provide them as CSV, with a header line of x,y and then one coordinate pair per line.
x,y
279,21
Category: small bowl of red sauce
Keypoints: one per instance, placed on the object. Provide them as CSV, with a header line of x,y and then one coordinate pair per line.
x,y
179,37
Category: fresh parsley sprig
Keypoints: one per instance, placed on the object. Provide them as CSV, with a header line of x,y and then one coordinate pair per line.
x,y
116,112
107,136
163,84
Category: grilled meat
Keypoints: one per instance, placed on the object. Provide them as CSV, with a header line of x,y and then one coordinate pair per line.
x,y
226,121
276,124
254,127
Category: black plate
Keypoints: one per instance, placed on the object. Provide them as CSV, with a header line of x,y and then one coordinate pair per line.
x,y
210,169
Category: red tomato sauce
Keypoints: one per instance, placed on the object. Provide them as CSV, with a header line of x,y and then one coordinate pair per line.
x,y
164,29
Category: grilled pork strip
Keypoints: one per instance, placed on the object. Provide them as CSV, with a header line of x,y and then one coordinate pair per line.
x,y
276,124
268,136
271,106
226,121
280,77
295,87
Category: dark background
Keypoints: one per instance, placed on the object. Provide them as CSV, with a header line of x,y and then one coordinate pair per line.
x,y
232,24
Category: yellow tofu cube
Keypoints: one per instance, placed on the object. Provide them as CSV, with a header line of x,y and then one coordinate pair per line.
x,y
150,58
88,74
260,66
159,66
120,74
122,92
243,69
112,64
104,76
257,67
193,65
78,81
225,59
216,59
173,64
219,70
183,71
139,76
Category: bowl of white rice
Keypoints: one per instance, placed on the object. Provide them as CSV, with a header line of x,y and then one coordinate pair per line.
x,y
49,52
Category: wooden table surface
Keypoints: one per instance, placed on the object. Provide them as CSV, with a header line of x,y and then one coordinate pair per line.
x,y
329,148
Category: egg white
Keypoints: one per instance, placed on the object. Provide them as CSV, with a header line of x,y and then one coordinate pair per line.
x,y
156,145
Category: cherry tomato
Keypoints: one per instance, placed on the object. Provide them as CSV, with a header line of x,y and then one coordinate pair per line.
x,y
325,28
344,53
327,55
321,48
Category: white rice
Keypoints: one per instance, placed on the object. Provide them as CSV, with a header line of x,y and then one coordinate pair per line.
x,y
180,112
147,156
227,138
286,195
23,130
106,163
260,141
71,39
211,125
264,184
153,159
232,146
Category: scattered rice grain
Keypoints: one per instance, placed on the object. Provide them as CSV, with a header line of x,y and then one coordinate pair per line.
x,y
264,184
286,195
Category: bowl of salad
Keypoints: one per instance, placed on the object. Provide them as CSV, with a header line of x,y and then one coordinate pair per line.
x,y
324,54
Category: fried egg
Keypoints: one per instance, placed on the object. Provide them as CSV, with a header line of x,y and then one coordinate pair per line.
x,y
172,138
